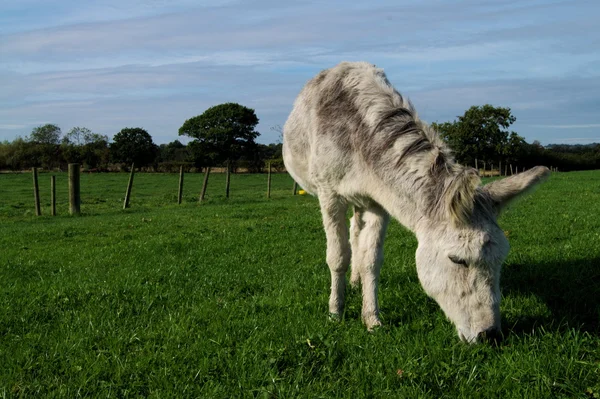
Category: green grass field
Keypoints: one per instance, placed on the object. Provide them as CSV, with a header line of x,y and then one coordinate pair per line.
x,y
229,298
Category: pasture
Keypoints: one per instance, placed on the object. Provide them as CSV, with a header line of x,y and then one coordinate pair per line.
x,y
229,298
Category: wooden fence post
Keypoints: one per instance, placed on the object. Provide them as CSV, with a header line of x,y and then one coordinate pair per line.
x,y
129,185
74,189
476,165
180,192
36,193
204,184
269,180
295,187
53,195
227,180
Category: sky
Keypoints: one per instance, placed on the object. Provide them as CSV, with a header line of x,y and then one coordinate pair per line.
x,y
111,64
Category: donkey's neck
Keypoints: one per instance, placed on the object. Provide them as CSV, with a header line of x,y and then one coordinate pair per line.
x,y
415,194
397,202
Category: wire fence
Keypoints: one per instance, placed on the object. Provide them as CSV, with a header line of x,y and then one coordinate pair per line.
x,y
153,188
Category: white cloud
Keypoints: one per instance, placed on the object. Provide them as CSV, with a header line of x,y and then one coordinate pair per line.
x,y
155,63
12,127
577,126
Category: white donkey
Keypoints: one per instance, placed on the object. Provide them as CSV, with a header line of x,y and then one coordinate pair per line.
x,y
352,139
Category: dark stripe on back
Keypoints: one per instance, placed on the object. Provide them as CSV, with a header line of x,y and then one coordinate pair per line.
x,y
419,145
338,116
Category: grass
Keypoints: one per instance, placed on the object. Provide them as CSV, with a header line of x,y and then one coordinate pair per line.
x,y
229,299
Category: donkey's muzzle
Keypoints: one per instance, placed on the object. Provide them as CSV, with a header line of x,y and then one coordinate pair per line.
x,y
493,336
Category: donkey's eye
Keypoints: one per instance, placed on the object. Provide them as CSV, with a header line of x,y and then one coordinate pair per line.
x,y
458,260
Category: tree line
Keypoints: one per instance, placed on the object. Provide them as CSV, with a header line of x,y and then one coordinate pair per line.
x,y
483,133
224,135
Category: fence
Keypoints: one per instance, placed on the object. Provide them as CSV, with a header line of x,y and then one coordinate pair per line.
x,y
74,187
508,169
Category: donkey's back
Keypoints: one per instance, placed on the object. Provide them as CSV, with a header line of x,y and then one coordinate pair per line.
x,y
329,141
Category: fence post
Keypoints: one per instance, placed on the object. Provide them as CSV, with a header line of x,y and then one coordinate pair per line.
x,y
129,185
505,169
227,180
516,170
204,183
53,195
74,189
180,192
511,170
295,187
500,168
269,180
36,193
476,165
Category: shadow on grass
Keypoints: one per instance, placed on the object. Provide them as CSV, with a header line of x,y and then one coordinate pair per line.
x,y
570,290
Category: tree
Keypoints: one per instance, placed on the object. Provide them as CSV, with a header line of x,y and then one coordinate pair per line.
x,y
134,145
82,135
481,133
175,151
45,142
81,145
76,136
516,149
96,153
224,132
47,134
20,154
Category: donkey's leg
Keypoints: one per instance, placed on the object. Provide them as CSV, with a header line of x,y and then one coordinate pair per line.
x,y
356,225
338,248
370,257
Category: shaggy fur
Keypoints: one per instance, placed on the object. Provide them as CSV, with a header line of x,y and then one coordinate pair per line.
x,y
352,139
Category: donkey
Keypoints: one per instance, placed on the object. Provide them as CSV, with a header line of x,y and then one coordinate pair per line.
x,y
352,139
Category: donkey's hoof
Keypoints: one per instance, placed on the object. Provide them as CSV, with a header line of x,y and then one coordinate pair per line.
x,y
372,323
335,317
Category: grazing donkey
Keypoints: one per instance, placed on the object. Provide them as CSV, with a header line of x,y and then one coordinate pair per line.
x,y
352,139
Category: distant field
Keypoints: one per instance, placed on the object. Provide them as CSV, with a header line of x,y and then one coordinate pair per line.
x,y
229,298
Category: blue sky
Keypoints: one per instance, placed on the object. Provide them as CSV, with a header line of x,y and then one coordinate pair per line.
x,y
111,64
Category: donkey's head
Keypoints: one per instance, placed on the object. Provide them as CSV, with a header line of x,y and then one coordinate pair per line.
x,y
460,253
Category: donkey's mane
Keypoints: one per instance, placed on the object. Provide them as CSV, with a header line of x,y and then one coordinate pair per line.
x,y
402,121
359,110
449,187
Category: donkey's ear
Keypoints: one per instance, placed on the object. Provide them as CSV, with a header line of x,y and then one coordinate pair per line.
x,y
503,192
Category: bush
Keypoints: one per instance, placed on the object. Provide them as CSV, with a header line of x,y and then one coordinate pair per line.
x,y
173,167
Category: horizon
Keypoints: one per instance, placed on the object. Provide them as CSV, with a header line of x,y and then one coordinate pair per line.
x,y
153,64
